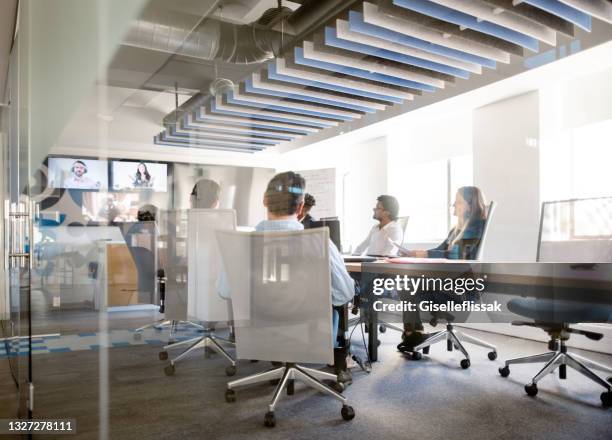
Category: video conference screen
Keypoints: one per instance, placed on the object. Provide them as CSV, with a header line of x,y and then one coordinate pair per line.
x,y
128,175
74,173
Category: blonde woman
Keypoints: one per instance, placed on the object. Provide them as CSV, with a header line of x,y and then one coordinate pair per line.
x,y
469,208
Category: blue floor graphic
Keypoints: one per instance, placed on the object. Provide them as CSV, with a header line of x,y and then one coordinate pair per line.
x,y
92,341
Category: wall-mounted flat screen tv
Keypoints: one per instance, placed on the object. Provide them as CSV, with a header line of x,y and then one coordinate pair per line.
x,y
132,175
76,173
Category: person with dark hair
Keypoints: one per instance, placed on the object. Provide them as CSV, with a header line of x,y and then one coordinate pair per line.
x,y
142,178
205,194
147,213
304,216
284,199
381,237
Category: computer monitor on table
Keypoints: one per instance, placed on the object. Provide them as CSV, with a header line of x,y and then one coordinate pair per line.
x,y
334,230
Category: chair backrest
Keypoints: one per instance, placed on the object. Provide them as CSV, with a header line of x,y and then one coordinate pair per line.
x,y
485,231
281,294
141,240
576,231
204,263
403,222
144,260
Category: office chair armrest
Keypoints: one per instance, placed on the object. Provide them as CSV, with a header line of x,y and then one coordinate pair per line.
x,y
591,335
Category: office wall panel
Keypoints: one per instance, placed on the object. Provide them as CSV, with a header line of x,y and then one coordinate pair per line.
x,y
506,168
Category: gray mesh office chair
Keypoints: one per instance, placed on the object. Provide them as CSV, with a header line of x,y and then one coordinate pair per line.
x,y
203,301
131,231
452,337
280,286
572,231
403,222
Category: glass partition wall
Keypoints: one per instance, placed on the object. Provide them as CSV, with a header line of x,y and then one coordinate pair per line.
x,y
124,115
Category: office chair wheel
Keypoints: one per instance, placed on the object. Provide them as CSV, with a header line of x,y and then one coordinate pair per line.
x,y
230,396
416,356
606,399
504,371
137,336
169,370
492,355
163,355
531,389
348,413
425,350
465,363
230,370
609,379
269,420
382,328
337,387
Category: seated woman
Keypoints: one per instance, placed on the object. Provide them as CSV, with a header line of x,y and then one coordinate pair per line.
x,y
462,243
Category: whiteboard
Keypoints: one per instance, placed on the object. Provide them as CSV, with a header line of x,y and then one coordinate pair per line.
x,y
321,184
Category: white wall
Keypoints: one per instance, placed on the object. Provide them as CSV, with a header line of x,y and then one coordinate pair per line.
x,y
361,176
572,166
366,180
417,170
506,168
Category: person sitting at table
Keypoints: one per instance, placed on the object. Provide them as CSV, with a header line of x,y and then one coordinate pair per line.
x,y
283,200
381,237
469,208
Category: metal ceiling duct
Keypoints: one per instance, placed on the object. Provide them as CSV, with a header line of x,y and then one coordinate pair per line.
x,y
212,39
173,32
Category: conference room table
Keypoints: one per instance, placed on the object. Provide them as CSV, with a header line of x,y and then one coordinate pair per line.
x,y
585,283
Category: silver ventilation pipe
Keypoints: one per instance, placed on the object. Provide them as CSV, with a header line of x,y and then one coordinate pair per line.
x,y
211,39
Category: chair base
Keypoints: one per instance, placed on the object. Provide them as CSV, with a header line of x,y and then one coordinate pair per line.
x,y
287,374
208,342
453,338
561,359
160,324
383,326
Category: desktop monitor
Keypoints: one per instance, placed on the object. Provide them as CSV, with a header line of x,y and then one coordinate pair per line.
x,y
334,230
576,231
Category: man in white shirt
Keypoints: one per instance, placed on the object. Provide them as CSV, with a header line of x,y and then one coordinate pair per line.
x,y
379,240
78,179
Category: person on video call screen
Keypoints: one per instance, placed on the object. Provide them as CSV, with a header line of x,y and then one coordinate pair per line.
x,y
142,178
77,178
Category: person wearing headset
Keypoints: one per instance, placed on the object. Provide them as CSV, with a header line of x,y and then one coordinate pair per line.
x,y
78,179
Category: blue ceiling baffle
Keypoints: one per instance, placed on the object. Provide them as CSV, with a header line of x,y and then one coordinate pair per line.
x,y
564,11
375,55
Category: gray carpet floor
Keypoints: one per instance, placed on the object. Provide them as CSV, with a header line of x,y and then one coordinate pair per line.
x,y
428,399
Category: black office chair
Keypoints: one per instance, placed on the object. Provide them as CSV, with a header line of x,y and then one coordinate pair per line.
x,y
452,337
578,232
145,266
